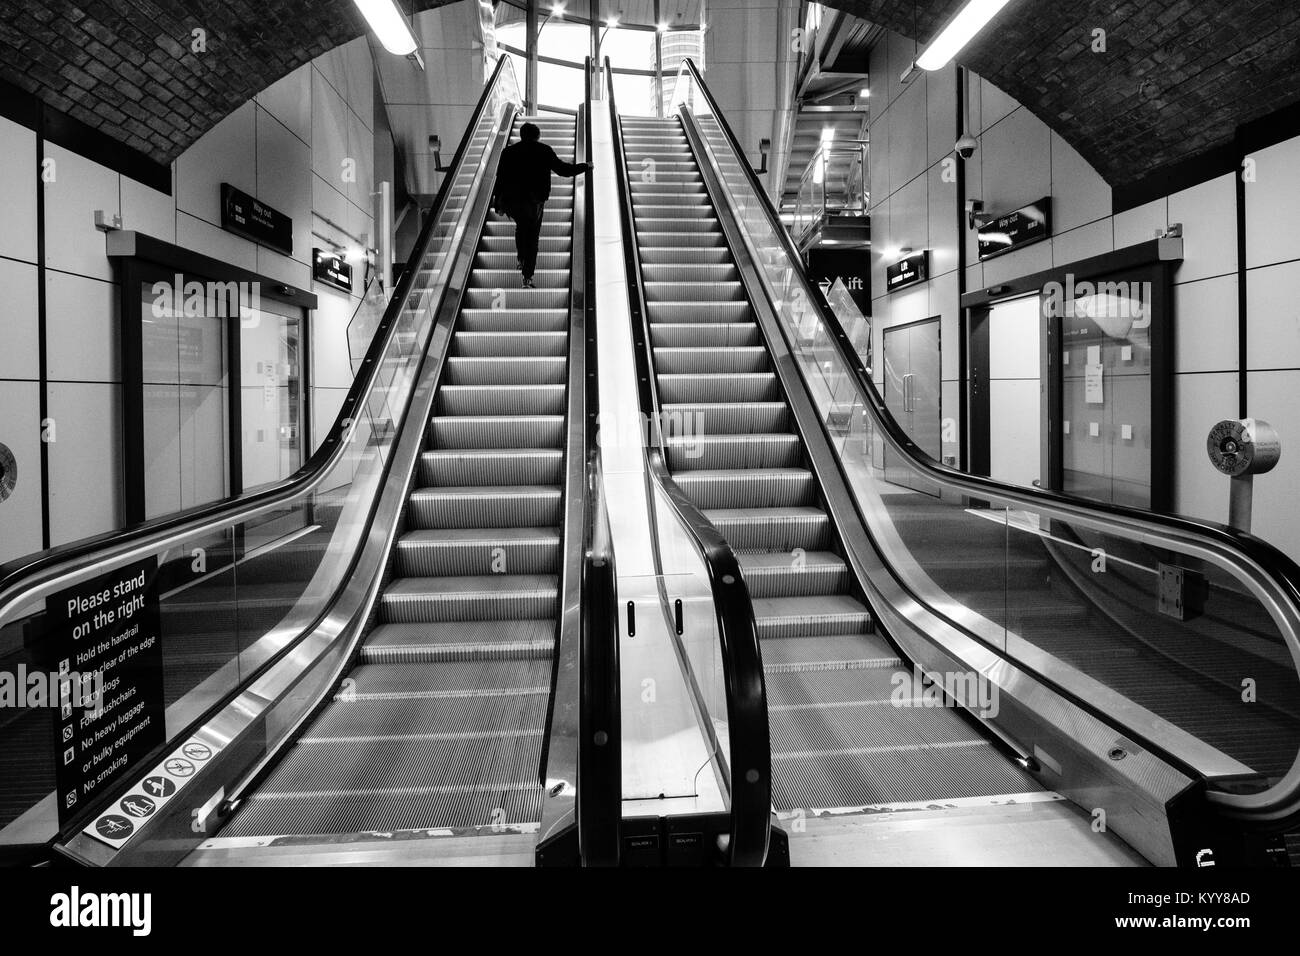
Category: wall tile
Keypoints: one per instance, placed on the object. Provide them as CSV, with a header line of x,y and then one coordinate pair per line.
x,y
1015,160
19,309
941,113
1023,262
945,230
148,210
995,105
1208,213
284,178
82,329
224,155
85,461
329,132
907,123
1273,206
289,101
1084,242
1272,397
72,243
1206,316
20,431
1273,311
210,240
1079,194
18,189
1135,226
1200,401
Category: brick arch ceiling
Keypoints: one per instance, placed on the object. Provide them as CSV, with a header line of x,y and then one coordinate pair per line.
x,y
127,67
1178,76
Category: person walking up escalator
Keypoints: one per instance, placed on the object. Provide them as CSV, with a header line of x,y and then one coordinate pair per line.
x,y
522,187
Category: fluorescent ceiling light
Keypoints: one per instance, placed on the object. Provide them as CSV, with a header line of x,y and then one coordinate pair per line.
x,y
389,25
865,92
959,31
828,134
612,23
557,10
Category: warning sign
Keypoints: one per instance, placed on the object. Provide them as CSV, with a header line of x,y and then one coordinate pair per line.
x,y
120,823
105,636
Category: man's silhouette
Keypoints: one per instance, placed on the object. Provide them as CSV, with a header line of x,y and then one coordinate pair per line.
x,y
523,185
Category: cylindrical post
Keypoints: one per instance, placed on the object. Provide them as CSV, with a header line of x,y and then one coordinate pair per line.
x,y
1241,501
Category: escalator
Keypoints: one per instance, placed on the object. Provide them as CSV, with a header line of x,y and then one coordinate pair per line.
x,y
836,739
977,644
441,722
409,643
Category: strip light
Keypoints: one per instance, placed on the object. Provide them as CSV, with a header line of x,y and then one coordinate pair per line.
x,y
389,26
959,31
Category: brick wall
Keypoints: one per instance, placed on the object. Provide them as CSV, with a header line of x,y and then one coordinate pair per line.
x,y
130,67
1177,76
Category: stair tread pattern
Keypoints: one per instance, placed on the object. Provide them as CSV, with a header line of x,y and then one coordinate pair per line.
x,y
441,721
838,740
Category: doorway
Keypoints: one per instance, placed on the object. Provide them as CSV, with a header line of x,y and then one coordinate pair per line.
x,y
913,390
1015,392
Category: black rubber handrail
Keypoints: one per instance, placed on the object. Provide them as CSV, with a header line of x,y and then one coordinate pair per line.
x,y
600,748
1282,571
750,758
14,574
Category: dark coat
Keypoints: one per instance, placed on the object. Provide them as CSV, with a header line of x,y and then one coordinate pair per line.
x,y
524,174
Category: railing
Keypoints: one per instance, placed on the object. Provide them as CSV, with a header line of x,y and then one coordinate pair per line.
x,y
365,322
237,584
717,635
601,757
976,554
584,742
834,183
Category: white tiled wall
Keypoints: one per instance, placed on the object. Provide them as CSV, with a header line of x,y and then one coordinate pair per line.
x,y
1020,160
287,147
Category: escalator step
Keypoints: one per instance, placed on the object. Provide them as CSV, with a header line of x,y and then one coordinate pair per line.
x,y
723,335
511,343
694,389
459,641
485,506
488,467
773,529
502,400
505,371
771,488
479,598
715,361
497,431
784,575
734,452
810,616
471,551
727,418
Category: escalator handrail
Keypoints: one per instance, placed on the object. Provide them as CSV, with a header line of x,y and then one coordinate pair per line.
x,y
1272,573
49,570
746,693
600,754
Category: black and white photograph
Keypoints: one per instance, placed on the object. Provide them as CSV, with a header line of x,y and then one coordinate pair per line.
x,y
486,435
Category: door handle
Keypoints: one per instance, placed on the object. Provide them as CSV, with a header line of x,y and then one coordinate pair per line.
x,y
909,393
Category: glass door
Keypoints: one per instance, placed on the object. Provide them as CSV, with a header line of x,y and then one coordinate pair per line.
x,y
186,387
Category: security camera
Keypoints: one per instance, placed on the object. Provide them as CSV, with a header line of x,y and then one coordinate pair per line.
x,y
966,146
